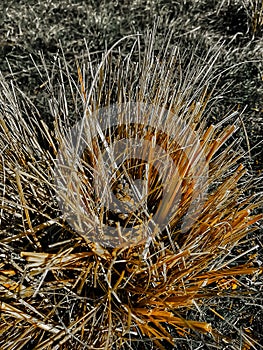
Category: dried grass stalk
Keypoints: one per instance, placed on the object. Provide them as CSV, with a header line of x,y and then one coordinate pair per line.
x,y
62,290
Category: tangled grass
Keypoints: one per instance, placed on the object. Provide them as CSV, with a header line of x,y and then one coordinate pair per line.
x,y
60,289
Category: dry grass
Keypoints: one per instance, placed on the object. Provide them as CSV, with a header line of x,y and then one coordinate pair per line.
x,y
51,276
62,290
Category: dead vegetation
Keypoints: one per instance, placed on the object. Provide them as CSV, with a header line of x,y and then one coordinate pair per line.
x,y
200,288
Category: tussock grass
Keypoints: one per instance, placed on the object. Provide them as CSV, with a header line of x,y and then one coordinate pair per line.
x,y
52,279
62,290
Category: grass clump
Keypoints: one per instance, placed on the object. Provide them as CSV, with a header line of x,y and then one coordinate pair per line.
x,y
62,287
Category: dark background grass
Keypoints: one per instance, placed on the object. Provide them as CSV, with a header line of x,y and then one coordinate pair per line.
x,y
29,28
